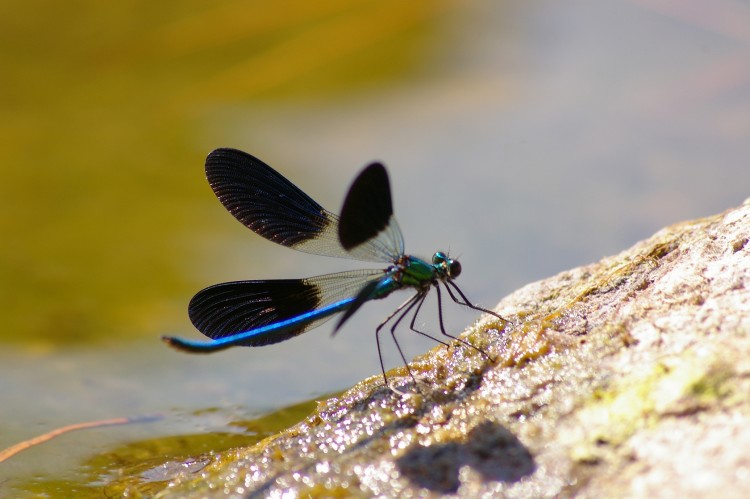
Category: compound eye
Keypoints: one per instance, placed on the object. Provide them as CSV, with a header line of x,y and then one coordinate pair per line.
x,y
454,269
439,258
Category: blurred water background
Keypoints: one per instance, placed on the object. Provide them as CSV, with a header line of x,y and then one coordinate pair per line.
x,y
525,137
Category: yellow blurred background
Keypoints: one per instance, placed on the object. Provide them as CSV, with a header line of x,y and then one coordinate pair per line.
x,y
107,110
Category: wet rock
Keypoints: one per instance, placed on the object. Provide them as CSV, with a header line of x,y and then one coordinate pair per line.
x,y
629,377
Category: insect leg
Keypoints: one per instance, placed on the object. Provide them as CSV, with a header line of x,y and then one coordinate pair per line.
x,y
402,310
442,326
466,301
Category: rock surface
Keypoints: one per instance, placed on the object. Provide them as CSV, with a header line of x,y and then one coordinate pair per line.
x,y
626,378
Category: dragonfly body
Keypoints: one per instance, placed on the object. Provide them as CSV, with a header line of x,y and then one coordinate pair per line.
x,y
256,313
411,271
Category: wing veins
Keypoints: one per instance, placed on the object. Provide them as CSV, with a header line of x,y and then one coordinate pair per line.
x,y
234,307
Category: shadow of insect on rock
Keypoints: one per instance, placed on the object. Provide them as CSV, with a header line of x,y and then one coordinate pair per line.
x,y
490,449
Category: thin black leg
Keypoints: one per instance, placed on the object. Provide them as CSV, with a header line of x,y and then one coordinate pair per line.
x,y
406,306
442,327
414,321
466,301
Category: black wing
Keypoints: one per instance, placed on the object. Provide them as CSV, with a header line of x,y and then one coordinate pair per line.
x,y
273,207
367,215
234,307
